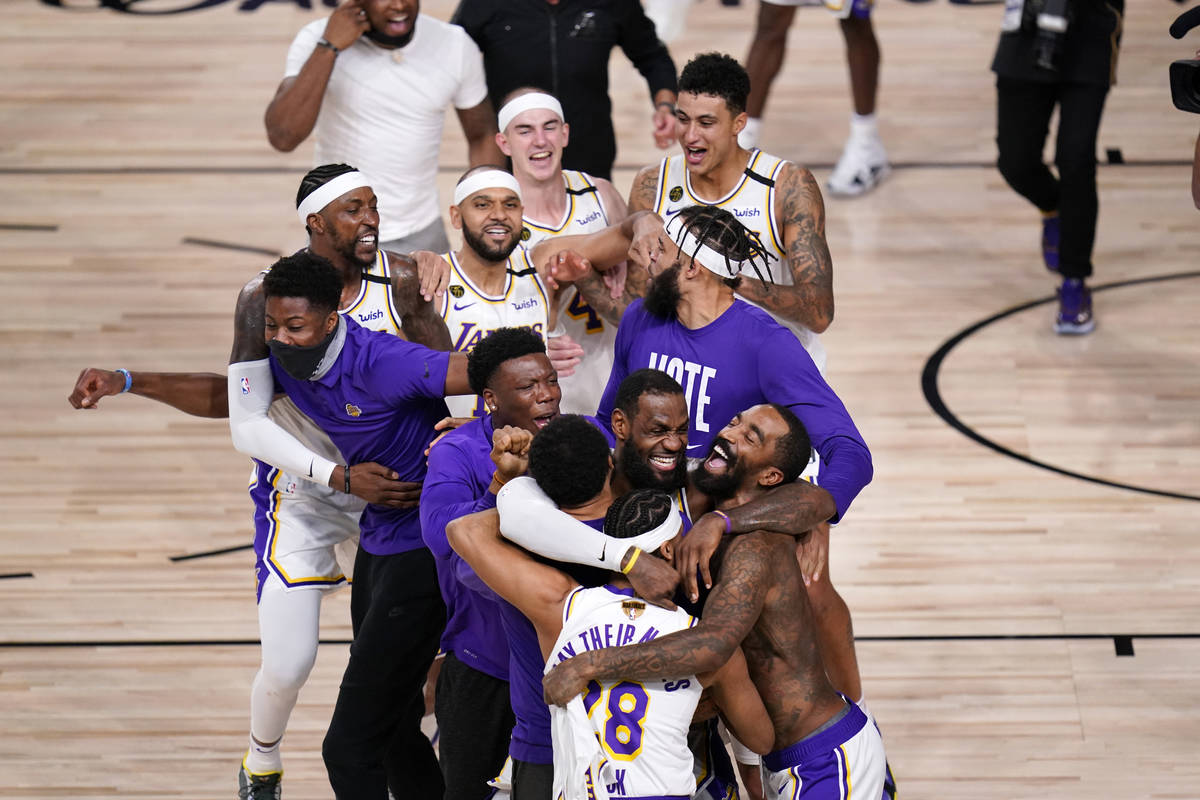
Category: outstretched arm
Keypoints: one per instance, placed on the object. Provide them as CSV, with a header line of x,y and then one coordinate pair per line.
x,y
201,394
731,611
809,300
536,589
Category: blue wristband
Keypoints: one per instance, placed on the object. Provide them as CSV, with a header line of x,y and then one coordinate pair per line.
x,y
128,379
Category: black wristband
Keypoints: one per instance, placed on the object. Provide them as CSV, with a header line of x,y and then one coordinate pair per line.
x,y
329,45
346,475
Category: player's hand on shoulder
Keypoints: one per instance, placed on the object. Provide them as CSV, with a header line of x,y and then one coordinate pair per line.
x,y
812,552
381,485
347,22
445,425
696,551
654,580
510,451
433,272
93,384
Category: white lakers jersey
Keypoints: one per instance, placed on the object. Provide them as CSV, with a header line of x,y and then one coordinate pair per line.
x,y
471,314
752,201
585,214
640,727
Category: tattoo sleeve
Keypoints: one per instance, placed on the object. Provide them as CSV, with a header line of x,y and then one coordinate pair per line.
x,y
731,611
597,295
809,301
645,189
793,508
249,321
419,320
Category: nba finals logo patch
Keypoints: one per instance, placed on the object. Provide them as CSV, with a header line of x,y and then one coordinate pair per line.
x,y
676,194
525,234
633,609
353,410
456,290
245,386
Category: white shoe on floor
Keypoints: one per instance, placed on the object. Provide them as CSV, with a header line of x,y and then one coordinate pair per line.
x,y
863,165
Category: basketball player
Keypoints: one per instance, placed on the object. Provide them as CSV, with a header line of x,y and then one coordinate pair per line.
x,y
778,200
560,202
824,744
640,731
494,281
378,398
863,163
301,516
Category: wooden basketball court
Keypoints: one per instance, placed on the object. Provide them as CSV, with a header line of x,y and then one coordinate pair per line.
x,y
1023,632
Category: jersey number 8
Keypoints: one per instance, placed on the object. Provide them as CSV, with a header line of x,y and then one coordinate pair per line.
x,y
625,707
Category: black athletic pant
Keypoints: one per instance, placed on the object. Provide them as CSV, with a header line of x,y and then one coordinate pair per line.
x,y
375,739
532,781
475,721
1023,112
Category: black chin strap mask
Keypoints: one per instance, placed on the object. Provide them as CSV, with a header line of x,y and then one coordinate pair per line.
x,y
302,362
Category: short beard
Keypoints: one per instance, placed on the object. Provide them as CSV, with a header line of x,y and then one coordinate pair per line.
x,y
642,476
487,251
662,295
348,249
719,487
391,42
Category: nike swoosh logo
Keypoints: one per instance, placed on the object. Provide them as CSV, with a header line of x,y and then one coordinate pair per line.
x,y
457,307
694,446
310,463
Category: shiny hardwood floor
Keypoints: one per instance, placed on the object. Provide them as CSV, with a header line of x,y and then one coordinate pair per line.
x,y
987,592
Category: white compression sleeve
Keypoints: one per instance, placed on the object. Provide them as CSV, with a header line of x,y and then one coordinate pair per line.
x,y
251,388
530,519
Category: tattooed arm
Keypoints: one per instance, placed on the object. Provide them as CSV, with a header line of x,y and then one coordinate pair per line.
x,y
809,301
732,609
419,320
644,190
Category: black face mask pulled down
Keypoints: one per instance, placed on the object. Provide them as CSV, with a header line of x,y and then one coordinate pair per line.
x,y
302,362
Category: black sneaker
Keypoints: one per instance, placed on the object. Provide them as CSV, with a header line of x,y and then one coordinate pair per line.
x,y
259,787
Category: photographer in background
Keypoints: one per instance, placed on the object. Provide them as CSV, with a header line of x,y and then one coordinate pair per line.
x,y
1064,53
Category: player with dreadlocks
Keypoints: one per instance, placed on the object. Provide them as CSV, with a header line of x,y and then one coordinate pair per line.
x,y
727,354
622,739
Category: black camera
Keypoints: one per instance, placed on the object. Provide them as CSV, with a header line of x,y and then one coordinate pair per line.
x,y
1185,73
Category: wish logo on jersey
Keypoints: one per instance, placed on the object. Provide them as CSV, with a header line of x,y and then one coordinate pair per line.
x,y
371,317
592,217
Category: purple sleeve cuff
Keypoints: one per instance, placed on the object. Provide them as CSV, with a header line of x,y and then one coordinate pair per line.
x,y
845,469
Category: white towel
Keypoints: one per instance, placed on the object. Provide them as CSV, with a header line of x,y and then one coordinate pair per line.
x,y
576,751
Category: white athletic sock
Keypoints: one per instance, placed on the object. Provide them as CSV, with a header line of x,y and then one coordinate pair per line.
x,y
748,138
262,759
863,126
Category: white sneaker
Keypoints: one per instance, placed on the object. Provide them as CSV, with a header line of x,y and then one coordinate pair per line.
x,y
863,165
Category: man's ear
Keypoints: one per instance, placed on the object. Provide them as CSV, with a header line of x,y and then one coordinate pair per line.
x,y
455,218
739,122
566,129
489,400
620,424
502,143
770,476
331,322
316,223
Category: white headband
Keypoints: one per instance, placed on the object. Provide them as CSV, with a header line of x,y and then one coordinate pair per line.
x,y
489,179
702,254
327,193
519,105
653,539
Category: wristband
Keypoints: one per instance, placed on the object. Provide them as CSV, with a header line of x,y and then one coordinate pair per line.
x,y
637,552
724,516
128,379
346,475
329,45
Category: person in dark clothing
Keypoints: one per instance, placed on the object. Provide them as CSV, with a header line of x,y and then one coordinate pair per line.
x,y
1035,71
563,46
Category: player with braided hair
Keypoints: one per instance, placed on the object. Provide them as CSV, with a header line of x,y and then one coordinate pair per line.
x,y
622,739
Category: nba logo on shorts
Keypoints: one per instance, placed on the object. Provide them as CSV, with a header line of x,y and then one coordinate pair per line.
x,y
290,488
245,385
